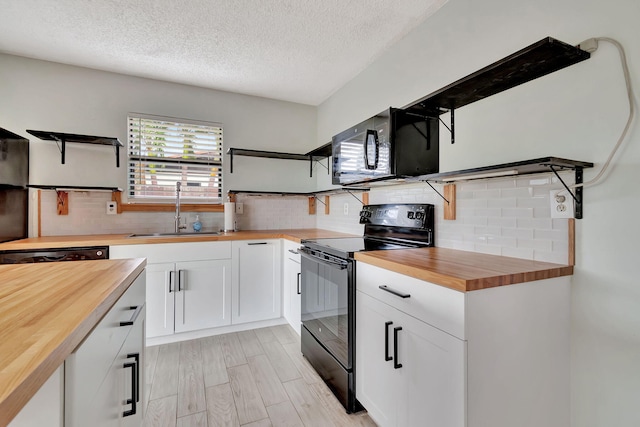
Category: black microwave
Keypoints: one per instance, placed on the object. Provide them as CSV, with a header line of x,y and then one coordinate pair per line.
x,y
392,144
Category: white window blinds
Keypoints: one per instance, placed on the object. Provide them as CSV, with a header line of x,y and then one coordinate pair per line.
x,y
163,151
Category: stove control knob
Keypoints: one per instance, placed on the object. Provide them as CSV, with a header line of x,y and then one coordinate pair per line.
x,y
411,215
419,215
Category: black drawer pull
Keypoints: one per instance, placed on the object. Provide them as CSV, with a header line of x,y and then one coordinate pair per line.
x,y
134,381
257,243
294,252
134,316
386,341
394,292
136,356
396,365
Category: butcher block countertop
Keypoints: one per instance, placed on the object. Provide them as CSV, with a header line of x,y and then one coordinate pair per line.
x,y
295,235
47,310
461,270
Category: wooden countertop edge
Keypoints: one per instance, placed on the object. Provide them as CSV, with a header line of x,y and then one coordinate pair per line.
x,y
465,284
294,235
26,388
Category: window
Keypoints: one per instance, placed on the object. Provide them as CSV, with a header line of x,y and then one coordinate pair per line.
x,y
163,151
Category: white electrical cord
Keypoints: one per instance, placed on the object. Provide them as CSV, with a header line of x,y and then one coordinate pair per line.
x,y
591,45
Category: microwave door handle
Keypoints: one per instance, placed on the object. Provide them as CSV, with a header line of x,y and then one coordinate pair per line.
x,y
371,137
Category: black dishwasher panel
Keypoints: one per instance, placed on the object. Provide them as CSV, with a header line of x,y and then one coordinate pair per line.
x,y
54,255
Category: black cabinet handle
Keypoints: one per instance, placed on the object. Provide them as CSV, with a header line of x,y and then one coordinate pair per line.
x,y
257,243
386,341
394,292
299,292
294,252
134,316
396,365
180,279
134,381
136,356
171,276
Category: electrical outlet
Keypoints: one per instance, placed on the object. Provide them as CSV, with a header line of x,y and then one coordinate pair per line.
x,y
239,208
561,204
346,208
112,208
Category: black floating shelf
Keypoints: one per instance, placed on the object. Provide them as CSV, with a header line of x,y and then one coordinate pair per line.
x,y
5,134
537,60
311,156
321,152
73,188
525,167
63,138
290,193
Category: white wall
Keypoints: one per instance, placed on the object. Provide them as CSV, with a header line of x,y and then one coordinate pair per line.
x,y
48,96
575,113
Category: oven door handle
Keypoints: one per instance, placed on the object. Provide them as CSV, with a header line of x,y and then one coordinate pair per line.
x,y
335,264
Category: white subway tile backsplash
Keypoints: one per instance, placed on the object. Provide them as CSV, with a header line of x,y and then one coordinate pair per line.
x,y
519,233
536,245
502,216
505,202
526,253
517,212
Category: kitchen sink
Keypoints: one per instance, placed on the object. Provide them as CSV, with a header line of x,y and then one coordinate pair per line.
x,y
184,234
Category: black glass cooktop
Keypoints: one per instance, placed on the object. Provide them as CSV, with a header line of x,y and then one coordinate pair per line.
x,y
346,246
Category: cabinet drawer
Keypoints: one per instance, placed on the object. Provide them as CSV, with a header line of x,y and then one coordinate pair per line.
x,y
436,305
88,365
173,252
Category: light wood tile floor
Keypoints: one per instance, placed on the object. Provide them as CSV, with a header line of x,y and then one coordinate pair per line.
x,y
255,378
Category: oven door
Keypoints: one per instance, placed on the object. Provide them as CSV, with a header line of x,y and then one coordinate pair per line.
x,y
325,286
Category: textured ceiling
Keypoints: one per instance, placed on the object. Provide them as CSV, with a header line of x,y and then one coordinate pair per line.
x,y
294,50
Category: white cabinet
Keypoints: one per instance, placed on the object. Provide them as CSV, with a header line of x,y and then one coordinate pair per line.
x,y
497,357
256,290
188,296
410,373
291,301
188,285
104,376
46,407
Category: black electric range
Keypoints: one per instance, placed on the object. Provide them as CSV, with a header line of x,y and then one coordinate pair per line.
x,y
328,288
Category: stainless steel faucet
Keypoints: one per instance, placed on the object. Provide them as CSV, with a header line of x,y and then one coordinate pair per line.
x,y
178,227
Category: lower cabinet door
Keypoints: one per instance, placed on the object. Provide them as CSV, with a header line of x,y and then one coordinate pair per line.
x,y
160,299
408,373
376,380
203,297
432,377
256,289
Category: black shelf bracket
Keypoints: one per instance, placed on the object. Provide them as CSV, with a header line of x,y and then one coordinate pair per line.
x,y
438,193
451,128
577,196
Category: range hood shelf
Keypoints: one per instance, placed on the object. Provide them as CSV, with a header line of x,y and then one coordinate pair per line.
x,y
316,155
534,61
63,138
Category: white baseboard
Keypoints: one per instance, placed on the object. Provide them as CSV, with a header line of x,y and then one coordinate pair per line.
x,y
192,335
